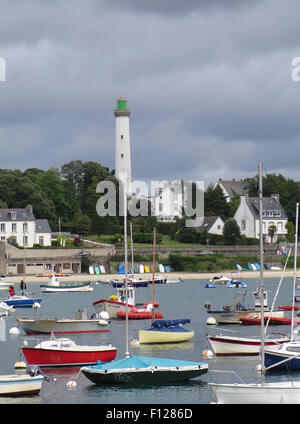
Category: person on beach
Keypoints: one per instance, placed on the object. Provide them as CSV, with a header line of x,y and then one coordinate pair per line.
x,y
22,286
11,290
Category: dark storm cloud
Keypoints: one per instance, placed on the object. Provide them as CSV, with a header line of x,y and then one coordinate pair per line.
x,y
209,85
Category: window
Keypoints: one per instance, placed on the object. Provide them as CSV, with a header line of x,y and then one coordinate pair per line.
x,y
25,241
13,215
243,225
122,155
25,227
41,240
122,136
13,228
2,228
2,238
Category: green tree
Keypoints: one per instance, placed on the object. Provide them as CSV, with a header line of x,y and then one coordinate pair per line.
x,y
231,232
83,225
215,203
271,231
291,231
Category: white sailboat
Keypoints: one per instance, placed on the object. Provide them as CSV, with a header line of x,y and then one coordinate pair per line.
x,y
275,392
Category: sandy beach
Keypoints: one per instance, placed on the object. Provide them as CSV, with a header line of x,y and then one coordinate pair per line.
x,y
169,275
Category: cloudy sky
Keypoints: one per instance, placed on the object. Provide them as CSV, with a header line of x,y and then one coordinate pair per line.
x,y
209,84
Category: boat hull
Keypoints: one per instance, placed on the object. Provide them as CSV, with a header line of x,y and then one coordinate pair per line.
x,y
61,326
268,393
19,385
139,315
79,287
161,336
234,317
227,346
51,357
110,306
144,375
274,357
21,303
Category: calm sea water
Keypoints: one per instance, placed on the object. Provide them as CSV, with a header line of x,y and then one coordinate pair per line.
x,y
179,300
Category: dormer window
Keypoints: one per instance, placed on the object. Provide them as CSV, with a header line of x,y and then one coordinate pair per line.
x,y
12,215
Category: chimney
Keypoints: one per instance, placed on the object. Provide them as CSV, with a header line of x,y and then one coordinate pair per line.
x,y
275,196
29,208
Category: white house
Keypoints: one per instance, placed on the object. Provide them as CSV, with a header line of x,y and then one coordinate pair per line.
x,y
22,224
232,188
247,217
212,224
167,201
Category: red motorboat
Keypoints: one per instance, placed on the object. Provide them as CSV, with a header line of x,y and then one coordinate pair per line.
x,y
64,352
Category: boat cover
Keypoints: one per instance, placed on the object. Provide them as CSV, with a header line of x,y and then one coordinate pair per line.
x,y
160,323
143,362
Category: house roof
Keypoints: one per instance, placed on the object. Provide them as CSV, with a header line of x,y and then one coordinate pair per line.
x,y
208,222
21,214
234,187
42,226
268,204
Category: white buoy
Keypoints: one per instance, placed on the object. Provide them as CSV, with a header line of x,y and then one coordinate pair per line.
x,y
36,305
25,343
258,368
211,321
104,315
207,353
135,342
15,331
20,365
71,384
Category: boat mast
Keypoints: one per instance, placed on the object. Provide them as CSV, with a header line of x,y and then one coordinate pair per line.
x,y
153,283
261,267
295,270
126,268
131,245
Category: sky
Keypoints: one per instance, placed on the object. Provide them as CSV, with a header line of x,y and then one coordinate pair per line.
x,y
209,85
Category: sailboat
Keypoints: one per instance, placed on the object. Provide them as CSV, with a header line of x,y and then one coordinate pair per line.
x,y
285,392
141,369
164,331
287,355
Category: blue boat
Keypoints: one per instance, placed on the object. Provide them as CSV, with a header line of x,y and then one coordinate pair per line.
x,y
285,356
21,301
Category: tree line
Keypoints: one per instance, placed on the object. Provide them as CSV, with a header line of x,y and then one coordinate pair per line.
x,y
68,196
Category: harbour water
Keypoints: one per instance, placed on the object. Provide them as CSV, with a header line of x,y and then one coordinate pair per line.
x,y
179,300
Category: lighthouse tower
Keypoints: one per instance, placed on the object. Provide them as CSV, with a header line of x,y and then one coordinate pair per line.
x,y
122,158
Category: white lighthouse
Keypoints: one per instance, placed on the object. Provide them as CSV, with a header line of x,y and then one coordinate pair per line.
x,y
122,158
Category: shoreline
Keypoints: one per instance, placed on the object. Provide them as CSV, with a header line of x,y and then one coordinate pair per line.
x,y
169,275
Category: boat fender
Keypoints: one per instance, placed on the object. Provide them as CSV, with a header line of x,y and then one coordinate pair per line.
x,y
19,365
71,384
104,315
14,331
207,353
133,309
211,321
103,322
